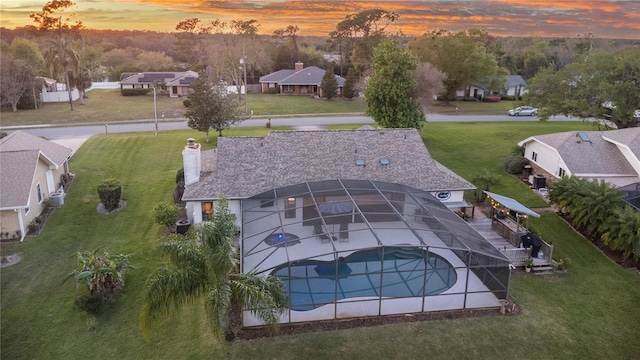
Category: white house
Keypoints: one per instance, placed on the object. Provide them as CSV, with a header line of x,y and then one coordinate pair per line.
x,y
322,210
514,85
613,156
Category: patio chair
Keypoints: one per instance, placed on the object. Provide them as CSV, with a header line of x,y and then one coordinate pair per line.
x,y
324,237
344,232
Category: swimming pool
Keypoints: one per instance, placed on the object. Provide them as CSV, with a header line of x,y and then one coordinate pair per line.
x,y
389,272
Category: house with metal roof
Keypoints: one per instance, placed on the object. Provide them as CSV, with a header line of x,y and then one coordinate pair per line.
x,y
298,81
353,222
612,156
177,82
31,169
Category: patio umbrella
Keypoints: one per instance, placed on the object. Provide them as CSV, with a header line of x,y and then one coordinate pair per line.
x,y
335,207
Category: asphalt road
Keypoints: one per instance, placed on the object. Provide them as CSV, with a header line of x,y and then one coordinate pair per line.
x,y
85,131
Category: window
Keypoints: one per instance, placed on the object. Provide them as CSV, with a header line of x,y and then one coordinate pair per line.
x,y
290,208
534,156
39,194
288,88
561,172
266,203
207,210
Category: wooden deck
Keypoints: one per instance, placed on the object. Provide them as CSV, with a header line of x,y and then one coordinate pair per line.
x,y
517,255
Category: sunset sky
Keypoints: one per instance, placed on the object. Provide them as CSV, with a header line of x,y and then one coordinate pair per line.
x,y
602,18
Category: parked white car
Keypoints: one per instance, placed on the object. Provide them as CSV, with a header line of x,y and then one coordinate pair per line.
x,y
524,111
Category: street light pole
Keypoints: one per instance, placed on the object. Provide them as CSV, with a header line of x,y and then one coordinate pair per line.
x,y
244,69
155,108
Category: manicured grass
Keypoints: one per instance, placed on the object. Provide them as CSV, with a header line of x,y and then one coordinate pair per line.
x,y
474,107
101,106
589,312
270,104
105,106
468,148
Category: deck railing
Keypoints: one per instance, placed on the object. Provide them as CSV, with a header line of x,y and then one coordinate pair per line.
x,y
519,255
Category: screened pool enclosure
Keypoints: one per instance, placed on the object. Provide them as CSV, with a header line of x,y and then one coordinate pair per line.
x,y
351,248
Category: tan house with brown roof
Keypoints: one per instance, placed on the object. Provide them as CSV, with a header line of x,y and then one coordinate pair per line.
x,y
31,169
612,156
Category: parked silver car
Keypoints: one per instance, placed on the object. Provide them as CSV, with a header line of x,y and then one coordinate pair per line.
x,y
524,111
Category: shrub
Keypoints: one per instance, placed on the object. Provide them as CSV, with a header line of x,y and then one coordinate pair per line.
x,y
134,92
186,103
514,164
166,214
110,193
90,303
508,97
180,175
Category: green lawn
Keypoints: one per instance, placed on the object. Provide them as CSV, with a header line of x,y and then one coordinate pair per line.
x,y
107,106
591,312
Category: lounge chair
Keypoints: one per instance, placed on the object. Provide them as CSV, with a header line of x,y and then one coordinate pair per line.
x,y
344,232
324,237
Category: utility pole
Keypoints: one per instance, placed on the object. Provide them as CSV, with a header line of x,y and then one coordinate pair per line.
x,y
244,69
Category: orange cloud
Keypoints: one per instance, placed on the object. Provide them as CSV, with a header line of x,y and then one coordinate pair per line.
x,y
604,18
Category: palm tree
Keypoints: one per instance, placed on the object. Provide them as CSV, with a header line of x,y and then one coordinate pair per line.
x,y
61,59
595,206
205,263
566,192
622,231
484,181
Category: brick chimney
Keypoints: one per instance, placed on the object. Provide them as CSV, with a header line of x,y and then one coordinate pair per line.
x,y
299,66
191,162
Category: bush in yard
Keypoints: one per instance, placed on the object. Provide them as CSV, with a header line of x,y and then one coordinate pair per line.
x,y
514,164
166,214
102,273
110,193
134,92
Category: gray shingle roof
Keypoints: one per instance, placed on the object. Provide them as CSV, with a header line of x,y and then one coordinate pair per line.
x,y
597,156
20,140
515,80
277,76
18,169
311,75
151,77
245,166
19,154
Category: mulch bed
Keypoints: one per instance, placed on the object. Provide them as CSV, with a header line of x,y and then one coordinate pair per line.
x,y
330,325
613,255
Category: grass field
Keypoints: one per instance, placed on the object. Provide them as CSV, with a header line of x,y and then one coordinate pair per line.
x,y
590,312
108,106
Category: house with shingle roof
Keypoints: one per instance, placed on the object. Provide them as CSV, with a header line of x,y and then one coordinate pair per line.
x,y
612,156
176,82
241,167
31,169
298,81
514,85
347,220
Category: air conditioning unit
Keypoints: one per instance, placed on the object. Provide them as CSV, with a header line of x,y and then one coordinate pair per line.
x,y
539,181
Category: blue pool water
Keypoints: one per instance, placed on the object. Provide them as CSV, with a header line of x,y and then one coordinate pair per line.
x,y
401,272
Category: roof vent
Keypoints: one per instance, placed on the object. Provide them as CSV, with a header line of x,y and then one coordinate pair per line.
x,y
360,162
583,136
384,161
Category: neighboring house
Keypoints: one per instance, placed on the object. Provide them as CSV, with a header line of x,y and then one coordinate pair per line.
x,y
299,81
31,170
308,203
514,86
177,83
53,91
612,156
